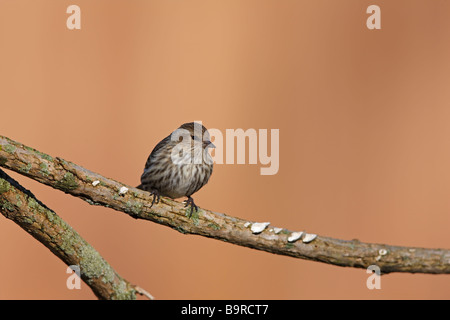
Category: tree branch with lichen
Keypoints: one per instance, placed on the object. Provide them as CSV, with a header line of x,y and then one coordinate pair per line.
x,y
22,207
99,190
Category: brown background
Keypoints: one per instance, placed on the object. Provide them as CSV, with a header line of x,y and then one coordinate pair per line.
x,y
364,135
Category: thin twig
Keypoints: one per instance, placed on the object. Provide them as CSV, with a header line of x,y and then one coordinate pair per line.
x,y
144,292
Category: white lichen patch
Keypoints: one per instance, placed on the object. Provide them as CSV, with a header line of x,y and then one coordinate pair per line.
x,y
246,224
258,227
309,237
96,182
381,253
123,190
295,236
277,230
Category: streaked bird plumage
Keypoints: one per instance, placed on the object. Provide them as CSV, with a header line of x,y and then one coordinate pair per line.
x,y
179,165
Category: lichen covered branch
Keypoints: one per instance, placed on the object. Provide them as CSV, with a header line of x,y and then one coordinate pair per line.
x,y
22,207
98,190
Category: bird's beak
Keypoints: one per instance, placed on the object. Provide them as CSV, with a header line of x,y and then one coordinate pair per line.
x,y
208,144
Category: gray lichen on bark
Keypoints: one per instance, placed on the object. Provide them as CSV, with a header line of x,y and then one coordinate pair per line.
x,y
22,207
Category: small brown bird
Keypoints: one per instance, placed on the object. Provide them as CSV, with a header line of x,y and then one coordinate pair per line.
x,y
179,165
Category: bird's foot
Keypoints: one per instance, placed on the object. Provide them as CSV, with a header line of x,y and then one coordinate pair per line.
x,y
156,197
190,202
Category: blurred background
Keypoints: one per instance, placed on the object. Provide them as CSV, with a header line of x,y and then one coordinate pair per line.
x,y
364,135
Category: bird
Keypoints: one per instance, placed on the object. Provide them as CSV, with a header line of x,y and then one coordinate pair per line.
x,y
179,165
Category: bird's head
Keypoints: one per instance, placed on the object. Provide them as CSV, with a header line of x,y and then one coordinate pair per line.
x,y
190,144
194,135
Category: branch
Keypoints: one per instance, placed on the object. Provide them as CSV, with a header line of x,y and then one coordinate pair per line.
x,y
98,190
22,207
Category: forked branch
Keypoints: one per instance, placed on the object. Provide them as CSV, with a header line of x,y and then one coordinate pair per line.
x,y
22,207
99,190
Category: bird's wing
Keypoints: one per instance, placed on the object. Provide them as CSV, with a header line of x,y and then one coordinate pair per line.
x,y
155,150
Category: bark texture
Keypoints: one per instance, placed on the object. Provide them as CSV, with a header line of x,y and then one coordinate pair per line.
x,y
22,207
99,190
